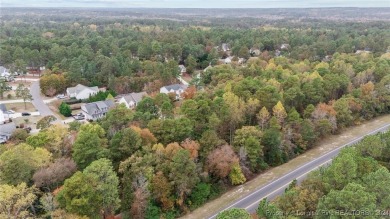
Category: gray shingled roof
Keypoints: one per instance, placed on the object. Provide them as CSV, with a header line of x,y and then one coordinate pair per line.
x,y
176,87
7,128
135,97
94,106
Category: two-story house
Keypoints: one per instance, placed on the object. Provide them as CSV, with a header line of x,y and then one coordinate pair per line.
x,y
97,110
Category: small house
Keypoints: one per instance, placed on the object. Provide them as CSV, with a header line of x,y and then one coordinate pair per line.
x,y
131,100
177,89
182,69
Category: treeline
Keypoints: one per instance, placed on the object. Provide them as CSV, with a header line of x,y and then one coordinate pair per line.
x,y
356,184
108,51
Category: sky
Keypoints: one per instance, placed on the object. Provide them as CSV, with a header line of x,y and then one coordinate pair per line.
x,y
195,3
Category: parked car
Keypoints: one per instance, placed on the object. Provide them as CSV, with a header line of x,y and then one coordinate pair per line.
x,y
79,116
61,96
26,114
10,112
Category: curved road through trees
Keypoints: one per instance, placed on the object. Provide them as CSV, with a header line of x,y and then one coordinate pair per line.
x,y
277,187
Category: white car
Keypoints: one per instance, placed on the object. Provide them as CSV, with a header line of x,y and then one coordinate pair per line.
x,y
10,112
61,96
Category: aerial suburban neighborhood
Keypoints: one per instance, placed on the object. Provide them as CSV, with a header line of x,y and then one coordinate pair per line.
x,y
183,109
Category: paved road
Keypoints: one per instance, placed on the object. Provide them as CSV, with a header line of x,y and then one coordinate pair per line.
x,y
37,101
278,186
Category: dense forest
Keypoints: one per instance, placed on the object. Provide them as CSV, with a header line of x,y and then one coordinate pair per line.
x,y
168,157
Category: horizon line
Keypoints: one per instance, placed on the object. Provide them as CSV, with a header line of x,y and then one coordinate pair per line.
x,y
100,7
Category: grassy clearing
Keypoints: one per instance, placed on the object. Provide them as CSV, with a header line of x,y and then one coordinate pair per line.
x,y
19,107
31,121
322,147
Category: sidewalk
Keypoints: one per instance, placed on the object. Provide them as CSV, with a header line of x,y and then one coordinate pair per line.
x,y
323,147
13,101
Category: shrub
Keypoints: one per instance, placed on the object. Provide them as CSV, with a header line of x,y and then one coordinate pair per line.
x,y
65,109
200,194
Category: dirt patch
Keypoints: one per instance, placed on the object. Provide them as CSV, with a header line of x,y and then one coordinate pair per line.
x,y
262,179
9,95
19,107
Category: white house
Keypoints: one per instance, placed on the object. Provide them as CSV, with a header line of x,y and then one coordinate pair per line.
x,y
3,112
225,47
81,92
177,89
4,73
284,46
97,110
182,69
131,100
2,117
228,60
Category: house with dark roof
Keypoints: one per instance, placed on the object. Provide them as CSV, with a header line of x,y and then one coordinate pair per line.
x,y
81,92
6,131
131,100
97,110
177,89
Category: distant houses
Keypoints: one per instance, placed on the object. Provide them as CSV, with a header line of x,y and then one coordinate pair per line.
x,y
285,46
5,74
131,100
228,60
97,110
254,52
177,89
225,47
35,70
81,92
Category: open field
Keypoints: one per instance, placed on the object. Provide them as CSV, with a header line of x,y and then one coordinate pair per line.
x,y
20,107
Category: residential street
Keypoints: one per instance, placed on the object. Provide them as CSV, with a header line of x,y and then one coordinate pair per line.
x,y
38,103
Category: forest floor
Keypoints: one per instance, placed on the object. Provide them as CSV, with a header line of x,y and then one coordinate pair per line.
x,y
323,146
